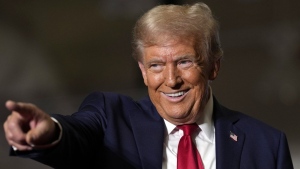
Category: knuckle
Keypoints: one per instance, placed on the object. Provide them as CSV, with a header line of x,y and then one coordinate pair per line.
x,y
10,142
9,136
12,125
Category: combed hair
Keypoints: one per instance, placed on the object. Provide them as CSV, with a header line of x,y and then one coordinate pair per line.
x,y
179,22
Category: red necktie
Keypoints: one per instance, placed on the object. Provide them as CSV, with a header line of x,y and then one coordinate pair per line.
x,y
188,156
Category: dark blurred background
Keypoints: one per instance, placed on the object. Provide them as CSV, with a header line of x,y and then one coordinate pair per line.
x,y
53,53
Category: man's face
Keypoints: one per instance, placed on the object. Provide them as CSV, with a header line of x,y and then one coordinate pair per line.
x,y
177,82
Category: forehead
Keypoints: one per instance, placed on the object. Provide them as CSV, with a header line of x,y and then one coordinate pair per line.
x,y
173,49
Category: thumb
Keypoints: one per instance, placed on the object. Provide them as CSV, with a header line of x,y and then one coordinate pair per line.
x,y
42,133
31,137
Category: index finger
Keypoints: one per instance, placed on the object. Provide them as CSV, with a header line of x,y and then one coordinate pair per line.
x,y
20,107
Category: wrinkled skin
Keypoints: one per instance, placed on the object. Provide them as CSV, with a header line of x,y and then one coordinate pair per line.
x,y
178,83
27,126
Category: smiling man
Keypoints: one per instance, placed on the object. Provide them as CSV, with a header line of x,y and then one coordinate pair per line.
x,y
177,84
179,125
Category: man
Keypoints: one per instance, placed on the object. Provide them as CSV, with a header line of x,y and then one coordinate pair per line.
x,y
178,51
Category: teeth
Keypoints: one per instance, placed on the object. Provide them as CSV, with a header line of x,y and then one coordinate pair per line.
x,y
175,94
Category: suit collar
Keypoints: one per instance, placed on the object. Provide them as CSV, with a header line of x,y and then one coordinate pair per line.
x,y
228,149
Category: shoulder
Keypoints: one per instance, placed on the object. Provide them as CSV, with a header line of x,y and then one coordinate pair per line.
x,y
259,138
115,102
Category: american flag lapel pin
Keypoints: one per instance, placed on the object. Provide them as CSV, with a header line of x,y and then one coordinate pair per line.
x,y
233,136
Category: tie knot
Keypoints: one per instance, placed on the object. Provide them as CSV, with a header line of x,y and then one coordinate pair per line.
x,y
188,129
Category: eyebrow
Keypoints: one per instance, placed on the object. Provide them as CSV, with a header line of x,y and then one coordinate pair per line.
x,y
176,59
153,60
187,56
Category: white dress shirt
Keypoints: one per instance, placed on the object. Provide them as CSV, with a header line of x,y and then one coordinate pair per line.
x,y
204,141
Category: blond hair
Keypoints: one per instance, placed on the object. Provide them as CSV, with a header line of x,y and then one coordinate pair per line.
x,y
178,22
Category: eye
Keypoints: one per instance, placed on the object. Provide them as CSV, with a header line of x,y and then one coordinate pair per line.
x,y
185,63
155,67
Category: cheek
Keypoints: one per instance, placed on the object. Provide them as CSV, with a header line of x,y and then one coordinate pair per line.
x,y
154,80
194,77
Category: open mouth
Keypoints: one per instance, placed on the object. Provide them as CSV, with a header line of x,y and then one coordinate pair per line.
x,y
176,94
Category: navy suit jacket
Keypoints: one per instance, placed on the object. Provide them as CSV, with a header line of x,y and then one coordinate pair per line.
x,y
113,131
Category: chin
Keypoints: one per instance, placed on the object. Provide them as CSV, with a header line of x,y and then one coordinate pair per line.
x,y
180,118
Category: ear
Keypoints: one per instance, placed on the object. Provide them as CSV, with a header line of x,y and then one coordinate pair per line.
x,y
215,70
143,70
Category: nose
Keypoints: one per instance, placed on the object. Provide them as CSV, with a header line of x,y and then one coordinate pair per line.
x,y
172,76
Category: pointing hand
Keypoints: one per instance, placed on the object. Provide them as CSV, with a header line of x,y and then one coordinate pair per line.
x,y
28,126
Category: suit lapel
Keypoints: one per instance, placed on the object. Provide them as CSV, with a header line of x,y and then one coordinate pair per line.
x,y
229,139
150,145
148,128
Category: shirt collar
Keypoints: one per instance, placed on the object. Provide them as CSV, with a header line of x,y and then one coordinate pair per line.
x,y
207,126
